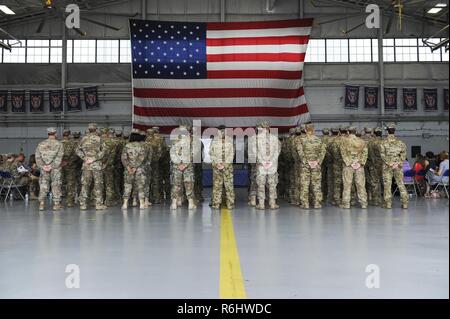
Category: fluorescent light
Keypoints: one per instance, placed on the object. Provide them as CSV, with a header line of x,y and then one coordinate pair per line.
x,y
441,5
434,10
6,10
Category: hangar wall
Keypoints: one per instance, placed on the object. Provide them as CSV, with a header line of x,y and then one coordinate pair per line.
x,y
324,83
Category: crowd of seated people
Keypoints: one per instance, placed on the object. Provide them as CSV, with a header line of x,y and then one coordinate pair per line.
x,y
25,174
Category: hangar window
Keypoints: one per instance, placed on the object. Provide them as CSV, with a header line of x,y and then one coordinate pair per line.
x,y
337,50
107,51
406,50
84,51
70,51
38,51
55,51
388,50
360,50
17,55
125,51
316,51
425,53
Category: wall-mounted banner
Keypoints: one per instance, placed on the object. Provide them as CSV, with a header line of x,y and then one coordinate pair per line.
x,y
445,99
37,101
390,99
3,101
18,101
55,98
430,99
351,96
73,100
91,98
410,100
371,98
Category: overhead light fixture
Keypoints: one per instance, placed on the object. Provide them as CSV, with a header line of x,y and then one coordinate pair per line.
x,y
5,46
437,8
6,10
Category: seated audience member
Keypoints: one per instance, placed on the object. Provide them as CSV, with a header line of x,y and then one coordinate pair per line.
x,y
34,176
435,175
407,168
431,160
419,166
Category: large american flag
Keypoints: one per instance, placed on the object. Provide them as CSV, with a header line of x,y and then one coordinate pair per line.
x,y
233,73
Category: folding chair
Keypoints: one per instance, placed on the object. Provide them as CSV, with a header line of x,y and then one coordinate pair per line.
x,y
408,181
9,184
443,184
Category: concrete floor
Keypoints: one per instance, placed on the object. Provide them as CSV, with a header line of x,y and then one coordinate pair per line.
x,y
285,254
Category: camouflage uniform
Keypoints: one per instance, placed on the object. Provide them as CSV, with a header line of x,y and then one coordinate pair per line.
x,y
198,176
222,153
153,144
69,169
182,171
119,169
164,165
374,170
337,168
92,148
134,157
392,150
268,149
111,194
285,162
353,150
330,172
325,164
310,149
294,160
50,153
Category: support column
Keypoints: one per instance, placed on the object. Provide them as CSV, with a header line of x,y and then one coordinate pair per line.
x,y
63,73
222,10
301,9
381,64
144,9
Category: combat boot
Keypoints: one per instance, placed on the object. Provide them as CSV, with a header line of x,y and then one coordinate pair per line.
x,y
125,204
342,206
261,205
142,204
57,206
147,202
41,205
252,201
33,196
317,206
100,207
191,204
405,206
174,205
83,206
135,202
273,204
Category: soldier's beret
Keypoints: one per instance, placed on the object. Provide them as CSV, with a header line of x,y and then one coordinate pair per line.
x,y
51,130
92,126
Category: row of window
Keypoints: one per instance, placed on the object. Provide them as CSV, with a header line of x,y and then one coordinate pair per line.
x,y
319,51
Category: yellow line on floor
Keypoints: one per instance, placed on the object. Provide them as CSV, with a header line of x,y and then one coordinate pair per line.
x,y
231,280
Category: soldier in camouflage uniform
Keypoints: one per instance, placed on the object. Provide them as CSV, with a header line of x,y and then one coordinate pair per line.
x,y
354,156
69,168
337,165
330,172
222,154
285,162
182,170
119,169
164,166
49,155
268,150
251,161
153,145
325,164
158,191
393,154
92,150
311,150
374,168
111,194
134,157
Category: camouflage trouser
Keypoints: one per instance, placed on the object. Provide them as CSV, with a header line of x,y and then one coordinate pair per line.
x,y
324,178
198,181
223,179
348,173
69,178
46,179
111,193
87,176
154,181
165,178
375,173
134,183
270,180
34,185
253,188
388,173
311,180
337,183
330,183
183,179
297,185
118,178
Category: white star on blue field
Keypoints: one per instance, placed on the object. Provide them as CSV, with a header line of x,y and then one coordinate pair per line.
x,y
168,50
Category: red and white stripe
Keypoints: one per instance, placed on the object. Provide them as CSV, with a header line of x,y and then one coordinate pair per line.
x,y
254,73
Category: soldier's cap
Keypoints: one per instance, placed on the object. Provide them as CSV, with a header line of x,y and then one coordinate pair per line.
x,y
390,126
135,131
119,133
377,129
155,128
326,131
302,127
309,126
66,131
92,126
351,129
368,130
76,134
292,130
335,130
264,124
112,131
51,130
221,127
104,130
